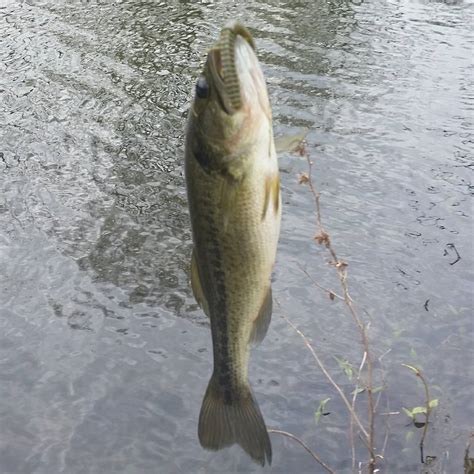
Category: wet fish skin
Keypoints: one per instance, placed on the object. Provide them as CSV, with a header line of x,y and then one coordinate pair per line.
x,y
234,200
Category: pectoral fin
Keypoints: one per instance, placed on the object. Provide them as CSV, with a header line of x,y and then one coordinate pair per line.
x,y
289,143
197,287
260,325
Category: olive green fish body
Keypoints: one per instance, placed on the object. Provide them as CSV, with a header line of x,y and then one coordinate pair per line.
x,y
234,201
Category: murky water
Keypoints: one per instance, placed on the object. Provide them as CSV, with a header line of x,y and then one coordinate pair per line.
x,y
104,356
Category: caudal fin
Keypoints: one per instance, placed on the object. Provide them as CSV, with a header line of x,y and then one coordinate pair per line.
x,y
239,421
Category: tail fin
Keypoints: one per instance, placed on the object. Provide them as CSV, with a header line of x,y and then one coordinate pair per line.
x,y
222,424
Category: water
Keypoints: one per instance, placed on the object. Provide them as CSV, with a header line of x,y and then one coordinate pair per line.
x,y
104,355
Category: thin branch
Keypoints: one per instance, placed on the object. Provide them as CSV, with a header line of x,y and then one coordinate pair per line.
x,y
387,400
315,283
313,454
351,426
428,413
427,407
387,426
328,376
324,238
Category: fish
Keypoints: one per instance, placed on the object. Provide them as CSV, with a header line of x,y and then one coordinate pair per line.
x,y
233,189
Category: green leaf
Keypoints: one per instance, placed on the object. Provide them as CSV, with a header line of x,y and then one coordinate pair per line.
x,y
320,410
418,410
413,353
397,333
345,365
357,390
407,412
411,367
433,403
378,389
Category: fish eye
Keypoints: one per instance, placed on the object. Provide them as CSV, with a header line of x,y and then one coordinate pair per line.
x,y
202,88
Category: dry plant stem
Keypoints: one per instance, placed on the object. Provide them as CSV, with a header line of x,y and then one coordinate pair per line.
x,y
427,407
428,413
383,378
387,426
342,274
468,462
315,283
313,454
328,376
351,421
387,400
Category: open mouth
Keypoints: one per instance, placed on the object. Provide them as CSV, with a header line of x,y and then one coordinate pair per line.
x,y
223,66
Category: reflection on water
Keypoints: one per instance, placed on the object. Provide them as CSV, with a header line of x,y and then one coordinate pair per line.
x,y
104,355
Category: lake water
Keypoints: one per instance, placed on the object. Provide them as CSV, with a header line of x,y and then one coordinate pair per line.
x,y
104,355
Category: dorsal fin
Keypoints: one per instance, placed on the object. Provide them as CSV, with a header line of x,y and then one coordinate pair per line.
x,y
197,287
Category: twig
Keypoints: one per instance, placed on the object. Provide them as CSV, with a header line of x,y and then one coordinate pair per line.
x,y
388,413
428,413
332,294
351,426
468,461
427,407
328,376
313,454
384,385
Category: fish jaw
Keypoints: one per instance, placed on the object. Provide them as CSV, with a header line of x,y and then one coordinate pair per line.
x,y
228,120
253,90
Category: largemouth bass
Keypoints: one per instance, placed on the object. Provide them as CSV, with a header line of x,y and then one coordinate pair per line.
x,y
234,200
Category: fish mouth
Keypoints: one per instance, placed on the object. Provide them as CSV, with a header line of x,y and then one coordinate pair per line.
x,y
224,68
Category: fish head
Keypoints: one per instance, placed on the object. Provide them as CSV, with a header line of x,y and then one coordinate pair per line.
x,y
231,102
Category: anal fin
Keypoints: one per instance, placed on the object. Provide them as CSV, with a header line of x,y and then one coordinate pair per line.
x,y
262,322
196,285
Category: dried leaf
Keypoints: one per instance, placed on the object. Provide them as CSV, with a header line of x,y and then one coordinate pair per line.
x,y
304,178
332,295
322,238
301,149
